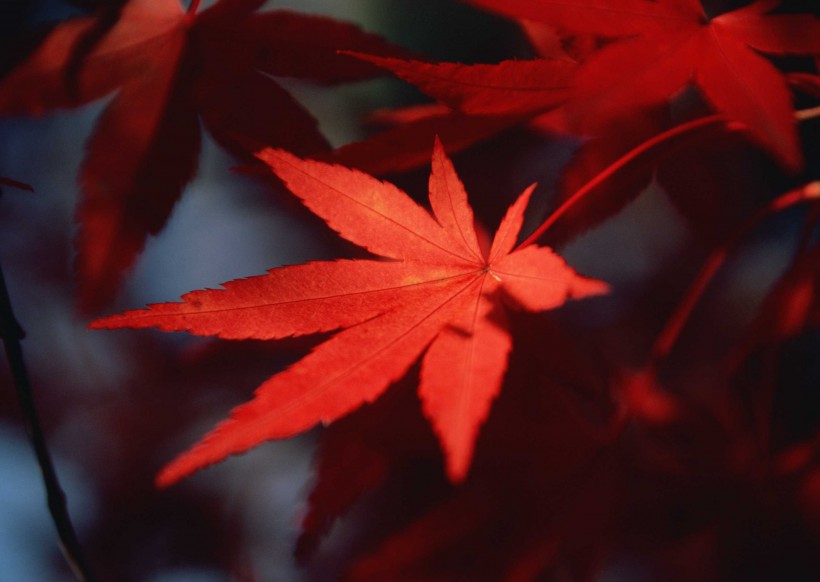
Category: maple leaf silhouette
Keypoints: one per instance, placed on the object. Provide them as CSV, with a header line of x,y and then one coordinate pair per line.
x,y
405,144
441,295
507,88
667,44
169,68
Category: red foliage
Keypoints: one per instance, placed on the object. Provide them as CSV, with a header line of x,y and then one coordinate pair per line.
x,y
477,424
441,296
169,68
662,46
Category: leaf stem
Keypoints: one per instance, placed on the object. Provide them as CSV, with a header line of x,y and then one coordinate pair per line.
x,y
804,114
671,331
12,333
15,184
619,164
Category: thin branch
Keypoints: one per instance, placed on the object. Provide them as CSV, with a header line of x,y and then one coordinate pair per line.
x,y
15,184
674,325
643,387
12,333
638,152
619,164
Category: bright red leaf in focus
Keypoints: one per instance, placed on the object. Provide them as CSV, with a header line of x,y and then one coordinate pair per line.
x,y
440,295
168,69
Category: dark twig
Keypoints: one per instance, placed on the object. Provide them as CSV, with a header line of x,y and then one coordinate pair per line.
x,y
12,333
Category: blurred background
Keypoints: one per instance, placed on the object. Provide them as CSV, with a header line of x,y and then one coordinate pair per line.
x,y
117,406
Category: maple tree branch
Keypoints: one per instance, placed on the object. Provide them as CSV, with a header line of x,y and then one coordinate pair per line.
x,y
619,164
12,333
674,325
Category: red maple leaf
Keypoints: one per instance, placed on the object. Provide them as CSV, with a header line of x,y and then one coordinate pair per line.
x,y
168,67
441,294
508,88
662,46
540,431
405,144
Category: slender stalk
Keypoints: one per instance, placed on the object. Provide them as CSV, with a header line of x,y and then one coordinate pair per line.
x,y
671,331
15,184
618,165
642,389
12,333
812,220
804,114
637,152
194,6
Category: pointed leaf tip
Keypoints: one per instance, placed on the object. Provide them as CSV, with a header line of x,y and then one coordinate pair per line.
x,y
587,287
373,214
448,199
507,234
